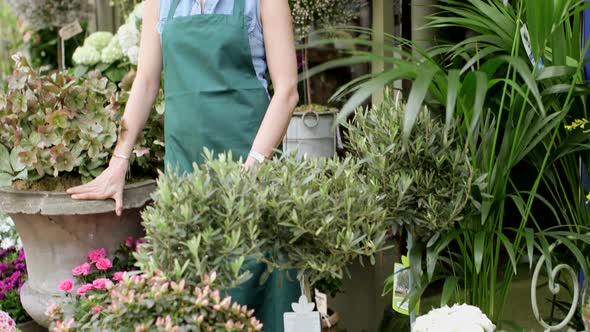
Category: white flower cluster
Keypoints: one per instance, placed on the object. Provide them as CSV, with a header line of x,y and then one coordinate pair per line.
x,y
8,235
458,318
129,34
103,47
90,53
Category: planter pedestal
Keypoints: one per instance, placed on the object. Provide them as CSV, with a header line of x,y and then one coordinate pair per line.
x,y
57,232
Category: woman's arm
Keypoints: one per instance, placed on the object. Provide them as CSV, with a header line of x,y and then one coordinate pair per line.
x,y
110,183
282,64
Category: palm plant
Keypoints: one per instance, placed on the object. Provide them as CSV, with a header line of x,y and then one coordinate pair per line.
x,y
509,106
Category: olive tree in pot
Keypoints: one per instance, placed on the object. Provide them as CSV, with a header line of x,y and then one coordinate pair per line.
x,y
58,131
312,215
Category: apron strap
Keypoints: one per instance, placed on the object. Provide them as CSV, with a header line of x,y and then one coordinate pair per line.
x,y
172,9
239,8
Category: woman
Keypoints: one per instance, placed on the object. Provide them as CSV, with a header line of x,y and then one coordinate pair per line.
x,y
215,54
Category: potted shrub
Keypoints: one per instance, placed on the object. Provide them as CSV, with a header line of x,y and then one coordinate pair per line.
x,y
427,180
313,215
57,132
151,302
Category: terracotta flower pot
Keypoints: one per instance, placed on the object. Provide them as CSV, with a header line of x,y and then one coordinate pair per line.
x,y
57,232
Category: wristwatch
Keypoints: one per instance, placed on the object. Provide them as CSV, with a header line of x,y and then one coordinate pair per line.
x,y
259,157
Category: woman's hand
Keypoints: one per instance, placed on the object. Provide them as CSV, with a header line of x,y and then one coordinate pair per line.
x,y
109,184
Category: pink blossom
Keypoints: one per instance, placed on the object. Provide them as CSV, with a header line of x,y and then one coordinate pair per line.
x,y
103,264
129,242
118,276
101,283
6,323
96,309
139,242
97,254
66,286
82,270
83,289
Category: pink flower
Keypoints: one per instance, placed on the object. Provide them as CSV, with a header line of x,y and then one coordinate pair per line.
x,y
96,309
83,289
129,242
82,270
103,264
118,276
6,323
66,286
97,254
101,283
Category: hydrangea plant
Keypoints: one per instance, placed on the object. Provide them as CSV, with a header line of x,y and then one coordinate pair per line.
x,y
114,56
151,302
57,123
458,318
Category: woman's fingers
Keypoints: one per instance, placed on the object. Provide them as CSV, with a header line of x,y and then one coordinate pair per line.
x,y
89,195
82,188
118,197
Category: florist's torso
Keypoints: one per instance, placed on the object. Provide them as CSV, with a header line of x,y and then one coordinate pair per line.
x,y
251,11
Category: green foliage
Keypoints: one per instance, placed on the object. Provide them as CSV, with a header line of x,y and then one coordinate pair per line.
x,y
511,114
205,222
312,215
57,123
150,302
10,40
427,180
320,215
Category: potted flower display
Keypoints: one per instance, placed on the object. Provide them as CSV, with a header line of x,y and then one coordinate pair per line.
x,y
216,217
151,302
59,131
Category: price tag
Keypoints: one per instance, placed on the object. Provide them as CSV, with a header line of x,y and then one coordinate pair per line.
x,y
321,301
303,319
526,42
70,30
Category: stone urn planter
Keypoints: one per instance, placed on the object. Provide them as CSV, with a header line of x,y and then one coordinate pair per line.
x,y
57,232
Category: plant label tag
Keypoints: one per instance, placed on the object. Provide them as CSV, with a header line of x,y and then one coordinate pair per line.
x,y
70,30
303,319
321,302
526,42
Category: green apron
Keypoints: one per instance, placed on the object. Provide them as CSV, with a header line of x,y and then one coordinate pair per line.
x,y
214,99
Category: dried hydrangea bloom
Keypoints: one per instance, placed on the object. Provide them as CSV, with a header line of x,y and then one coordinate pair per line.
x,y
41,14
